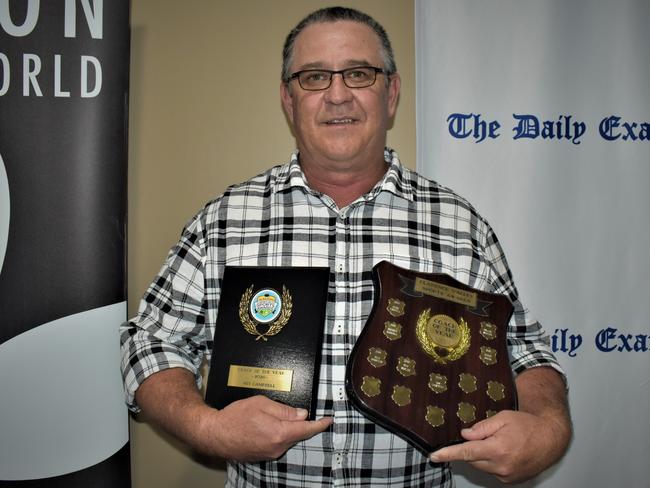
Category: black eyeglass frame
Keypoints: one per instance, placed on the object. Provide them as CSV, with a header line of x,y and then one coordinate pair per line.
x,y
296,76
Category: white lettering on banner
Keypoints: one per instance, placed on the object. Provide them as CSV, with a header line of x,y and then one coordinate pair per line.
x,y
85,93
57,78
90,68
30,73
92,13
24,29
90,84
94,18
6,74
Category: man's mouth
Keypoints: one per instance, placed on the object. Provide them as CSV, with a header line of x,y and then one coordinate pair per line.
x,y
341,121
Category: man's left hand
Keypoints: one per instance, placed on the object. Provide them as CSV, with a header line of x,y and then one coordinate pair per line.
x,y
516,446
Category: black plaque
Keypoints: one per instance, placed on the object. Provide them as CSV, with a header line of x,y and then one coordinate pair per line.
x,y
432,358
269,335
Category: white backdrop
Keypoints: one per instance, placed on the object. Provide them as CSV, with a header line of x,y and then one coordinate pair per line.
x,y
550,141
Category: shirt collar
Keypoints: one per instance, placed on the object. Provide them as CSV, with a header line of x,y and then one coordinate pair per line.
x,y
395,179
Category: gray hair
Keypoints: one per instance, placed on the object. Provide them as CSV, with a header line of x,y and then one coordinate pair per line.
x,y
333,14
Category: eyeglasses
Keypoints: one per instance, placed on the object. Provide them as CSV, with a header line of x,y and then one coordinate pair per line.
x,y
321,79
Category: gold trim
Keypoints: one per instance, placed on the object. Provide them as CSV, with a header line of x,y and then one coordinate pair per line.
x,y
442,353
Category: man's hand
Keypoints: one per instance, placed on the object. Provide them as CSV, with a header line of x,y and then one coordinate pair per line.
x,y
516,446
253,429
257,429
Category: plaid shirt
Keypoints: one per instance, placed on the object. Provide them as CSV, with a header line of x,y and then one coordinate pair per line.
x,y
276,219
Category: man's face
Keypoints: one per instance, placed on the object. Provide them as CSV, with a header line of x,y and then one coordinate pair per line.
x,y
340,125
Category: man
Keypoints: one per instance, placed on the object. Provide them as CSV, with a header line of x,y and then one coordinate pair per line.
x,y
346,202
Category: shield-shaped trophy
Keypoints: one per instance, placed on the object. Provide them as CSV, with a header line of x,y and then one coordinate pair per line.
x,y
432,358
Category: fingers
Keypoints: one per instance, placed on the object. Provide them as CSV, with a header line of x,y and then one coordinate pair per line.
x,y
299,431
473,450
279,410
484,429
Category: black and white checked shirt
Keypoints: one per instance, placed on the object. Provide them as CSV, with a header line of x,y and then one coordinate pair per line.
x,y
276,219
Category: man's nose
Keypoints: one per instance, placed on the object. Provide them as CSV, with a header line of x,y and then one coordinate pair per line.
x,y
338,91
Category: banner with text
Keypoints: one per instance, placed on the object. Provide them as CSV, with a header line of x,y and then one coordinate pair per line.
x,y
64,71
538,113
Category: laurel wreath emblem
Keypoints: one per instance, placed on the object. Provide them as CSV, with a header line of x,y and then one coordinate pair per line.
x,y
439,353
276,326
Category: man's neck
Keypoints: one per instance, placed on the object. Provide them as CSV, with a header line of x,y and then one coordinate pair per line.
x,y
344,185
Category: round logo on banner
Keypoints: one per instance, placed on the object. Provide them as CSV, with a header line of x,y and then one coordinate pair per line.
x,y
265,306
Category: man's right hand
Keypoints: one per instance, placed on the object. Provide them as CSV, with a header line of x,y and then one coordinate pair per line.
x,y
253,429
257,429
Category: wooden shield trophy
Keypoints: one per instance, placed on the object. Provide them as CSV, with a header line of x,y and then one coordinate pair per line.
x,y
432,358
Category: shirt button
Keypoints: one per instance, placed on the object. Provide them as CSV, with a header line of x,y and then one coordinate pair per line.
x,y
340,268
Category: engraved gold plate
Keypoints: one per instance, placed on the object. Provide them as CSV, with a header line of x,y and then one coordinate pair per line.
x,y
488,355
442,337
488,330
392,330
466,412
467,382
401,395
260,378
451,293
266,307
437,383
396,307
405,366
496,391
377,357
371,386
435,416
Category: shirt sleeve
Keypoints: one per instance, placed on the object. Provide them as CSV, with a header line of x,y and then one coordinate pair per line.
x,y
168,330
528,343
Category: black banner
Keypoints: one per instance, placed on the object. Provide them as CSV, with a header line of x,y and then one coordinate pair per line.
x,y
64,72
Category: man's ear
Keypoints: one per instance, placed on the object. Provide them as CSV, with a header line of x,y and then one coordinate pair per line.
x,y
287,100
393,93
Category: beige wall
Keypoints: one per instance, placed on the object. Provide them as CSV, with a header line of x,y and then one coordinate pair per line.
x,y
205,113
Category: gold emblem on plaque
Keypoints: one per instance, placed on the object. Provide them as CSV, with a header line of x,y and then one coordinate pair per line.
x,y
466,412
488,355
266,307
392,330
467,382
488,330
401,395
405,366
396,307
496,391
371,386
437,383
442,337
435,416
490,413
377,357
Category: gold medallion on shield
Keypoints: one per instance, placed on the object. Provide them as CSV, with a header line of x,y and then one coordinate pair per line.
x,y
435,416
371,386
442,337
